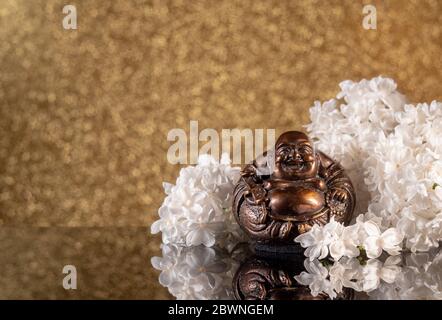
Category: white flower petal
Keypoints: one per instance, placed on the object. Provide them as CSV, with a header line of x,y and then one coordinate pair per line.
x,y
372,228
372,247
389,273
337,250
156,227
391,240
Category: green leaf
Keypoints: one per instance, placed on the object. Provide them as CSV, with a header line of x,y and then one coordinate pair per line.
x,y
362,258
326,262
435,185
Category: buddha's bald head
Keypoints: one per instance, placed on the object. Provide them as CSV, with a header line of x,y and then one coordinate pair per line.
x,y
294,157
292,136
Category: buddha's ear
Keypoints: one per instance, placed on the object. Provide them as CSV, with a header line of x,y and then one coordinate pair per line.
x,y
321,166
324,159
278,159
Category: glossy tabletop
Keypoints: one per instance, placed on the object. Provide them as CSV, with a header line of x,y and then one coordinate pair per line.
x,y
123,263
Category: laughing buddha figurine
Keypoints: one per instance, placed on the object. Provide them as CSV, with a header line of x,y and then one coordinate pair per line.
x,y
284,192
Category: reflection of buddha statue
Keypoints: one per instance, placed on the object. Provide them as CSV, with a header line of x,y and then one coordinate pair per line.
x,y
260,278
304,188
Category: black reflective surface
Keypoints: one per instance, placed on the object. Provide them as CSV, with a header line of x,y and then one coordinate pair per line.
x,y
244,273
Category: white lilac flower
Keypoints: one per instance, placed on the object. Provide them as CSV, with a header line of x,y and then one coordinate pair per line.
x,y
197,209
318,239
392,151
346,127
338,241
389,241
351,239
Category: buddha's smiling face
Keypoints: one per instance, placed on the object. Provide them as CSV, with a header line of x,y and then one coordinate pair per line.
x,y
294,157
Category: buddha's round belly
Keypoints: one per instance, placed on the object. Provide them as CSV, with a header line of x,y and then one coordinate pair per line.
x,y
296,201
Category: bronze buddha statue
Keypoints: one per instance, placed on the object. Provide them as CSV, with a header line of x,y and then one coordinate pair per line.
x,y
284,192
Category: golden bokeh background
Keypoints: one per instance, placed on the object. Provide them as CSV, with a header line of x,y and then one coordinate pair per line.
x,y
84,114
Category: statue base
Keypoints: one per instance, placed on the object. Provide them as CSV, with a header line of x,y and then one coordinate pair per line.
x,y
278,250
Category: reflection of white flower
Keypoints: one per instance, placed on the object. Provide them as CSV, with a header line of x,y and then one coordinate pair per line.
x,y
197,210
316,278
203,262
375,271
196,273
419,278
348,273
167,264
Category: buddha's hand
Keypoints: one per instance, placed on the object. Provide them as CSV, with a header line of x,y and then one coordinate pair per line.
x,y
338,195
255,193
248,171
268,185
259,194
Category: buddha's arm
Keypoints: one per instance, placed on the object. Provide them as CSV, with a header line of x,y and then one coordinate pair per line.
x,y
249,205
339,186
253,185
249,192
251,176
254,218
333,173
